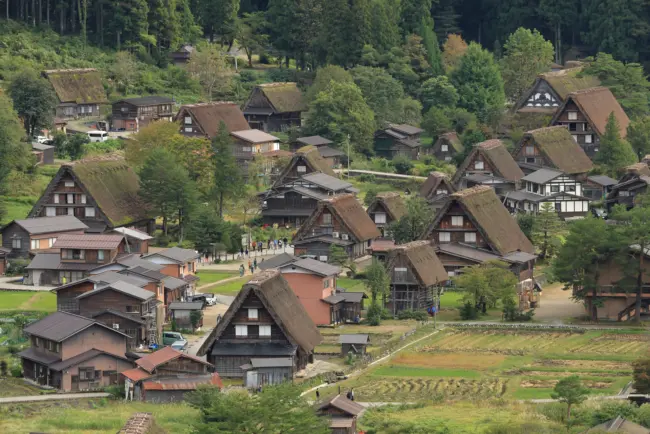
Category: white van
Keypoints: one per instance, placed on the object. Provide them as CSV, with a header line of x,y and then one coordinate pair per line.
x,y
97,136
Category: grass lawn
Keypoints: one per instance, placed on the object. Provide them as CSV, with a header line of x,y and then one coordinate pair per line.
x,y
228,288
351,285
16,387
27,300
99,416
16,210
208,276
461,364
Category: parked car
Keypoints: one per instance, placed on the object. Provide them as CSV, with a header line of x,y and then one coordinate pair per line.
x,y
97,136
171,337
180,345
209,299
42,139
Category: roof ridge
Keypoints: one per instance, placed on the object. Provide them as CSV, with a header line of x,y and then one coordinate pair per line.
x,y
590,90
207,104
490,144
277,84
72,70
471,191
413,245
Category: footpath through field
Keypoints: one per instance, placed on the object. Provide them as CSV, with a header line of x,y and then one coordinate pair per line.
x,y
52,397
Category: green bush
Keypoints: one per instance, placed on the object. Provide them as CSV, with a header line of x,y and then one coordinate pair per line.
x,y
16,371
17,267
374,314
468,311
419,315
115,391
402,164
367,177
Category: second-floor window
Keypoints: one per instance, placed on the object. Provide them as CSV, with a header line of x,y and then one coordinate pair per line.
x,y
457,220
252,314
188,120
16,243
326,283
530,150
573,116
50,211
444,237
470,237
51,242
133,309
479,165
588,138
441,191
241,330
380,217
444,148
73,254
327,219
399,274
89,211
100,255
69,184
34,244
301,169
265,330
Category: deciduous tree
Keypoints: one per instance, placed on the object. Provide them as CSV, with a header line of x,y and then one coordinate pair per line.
x,y
251,36
527,54
638,135
453,50
383,94
485,284
227,176
438,92
412,224
323,78
377,281
571,391
209,67
13,152
34,100
641,375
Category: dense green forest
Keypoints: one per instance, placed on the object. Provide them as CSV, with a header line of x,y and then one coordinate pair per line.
x,y
318,32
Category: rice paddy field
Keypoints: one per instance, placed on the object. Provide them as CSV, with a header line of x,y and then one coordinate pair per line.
x,y
461,364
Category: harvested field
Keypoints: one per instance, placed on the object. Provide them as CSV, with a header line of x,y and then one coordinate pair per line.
x,y
584,364
570,373
547,384
407,389
457,360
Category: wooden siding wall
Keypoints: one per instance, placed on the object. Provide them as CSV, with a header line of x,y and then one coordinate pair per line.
x,y
182,365
66,298
457,232
264,318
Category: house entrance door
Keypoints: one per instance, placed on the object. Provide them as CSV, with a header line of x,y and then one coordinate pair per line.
x,y
75,383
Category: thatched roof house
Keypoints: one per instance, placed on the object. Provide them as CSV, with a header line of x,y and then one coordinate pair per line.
x,y
552,147
421,260
204,119
104,193
272,106
436,186
390,204
80,91
304,161
489,158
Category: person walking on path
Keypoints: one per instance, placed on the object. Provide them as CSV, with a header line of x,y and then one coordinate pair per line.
x,y
246,251
241,270
317,395
250,265
255,264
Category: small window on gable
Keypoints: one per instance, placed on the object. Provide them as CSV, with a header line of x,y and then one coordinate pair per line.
x,y
327,219
90,211
265,330
530,150
252,314
380,217
457,220
444,148
188,120
479,165
588,138
301,169
573,116
441,191
69,184
50,211
241,330
83,198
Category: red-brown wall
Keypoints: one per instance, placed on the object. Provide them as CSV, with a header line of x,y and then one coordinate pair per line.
x,y
310,291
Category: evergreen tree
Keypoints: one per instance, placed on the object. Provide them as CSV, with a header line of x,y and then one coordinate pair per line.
x,y
480,86
34,100
295,27
128,26
438,92
227,175
340,112
219,18
430,42
546,227
615,153
446,19
346,29
382,93
571,391
384,23
558,14
413,11
412,224
526,55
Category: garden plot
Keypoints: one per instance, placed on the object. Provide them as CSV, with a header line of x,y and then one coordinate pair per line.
x,y
413,389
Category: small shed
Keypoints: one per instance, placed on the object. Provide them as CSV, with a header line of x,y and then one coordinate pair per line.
x,y
181,313
354,343
44,153
260,372
343,414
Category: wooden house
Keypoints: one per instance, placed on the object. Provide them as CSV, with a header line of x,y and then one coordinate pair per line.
x,y
72,353
436,188
342,413
332,155
597,187
178,263
339,221
354,343
447,147
563,191
489,163
80,92
290,204
137,241
633,183
398,140
74,257
131,114
28,237
387,208
101,192
551,89
305,160
264,326
474,227
554,148
182,55
275,107
415,273
167,375
585,114
181,313
44,153
248,144
204,119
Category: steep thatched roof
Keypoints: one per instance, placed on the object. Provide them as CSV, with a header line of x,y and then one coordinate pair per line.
x,y
596,104
433,182
110,182
494,152
284,97
424,262
450,139
209,116
569,80
350,213
392,202
557,144
282,304
490,216
310,156
80,86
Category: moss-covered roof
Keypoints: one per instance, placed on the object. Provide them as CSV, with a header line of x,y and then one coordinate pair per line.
x,y
80,86
285,97
560,148
114,186
569,80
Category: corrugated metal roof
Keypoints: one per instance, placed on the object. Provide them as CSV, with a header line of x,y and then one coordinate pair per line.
x,y
326,181
123,287
88,241
352,297
277,261
189,382
136,374
45,261
542,176
177,254
191,305
134,233
314,140
342,403
44,225
109,277
275,362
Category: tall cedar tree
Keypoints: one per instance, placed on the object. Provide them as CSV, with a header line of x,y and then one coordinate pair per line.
x,y
526,55
615,153
480,86
634,228
294,27
559,14
413,11
34,100
590,244
346,29
430,42
166,186
641,375
128,26
545,229
638,135
227,175
340,111
219,18
384,23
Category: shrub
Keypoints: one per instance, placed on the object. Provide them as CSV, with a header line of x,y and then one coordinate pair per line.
x,y
3,368
17,267
16,371
419,315
468,311
116,391
367,177
374,314
402,164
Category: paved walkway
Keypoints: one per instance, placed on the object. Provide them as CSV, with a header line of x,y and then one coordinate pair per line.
x,y
6,284
52,397
380,174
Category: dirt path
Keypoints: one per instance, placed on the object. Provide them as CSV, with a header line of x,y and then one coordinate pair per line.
x,y
52,397
556,306
28,303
